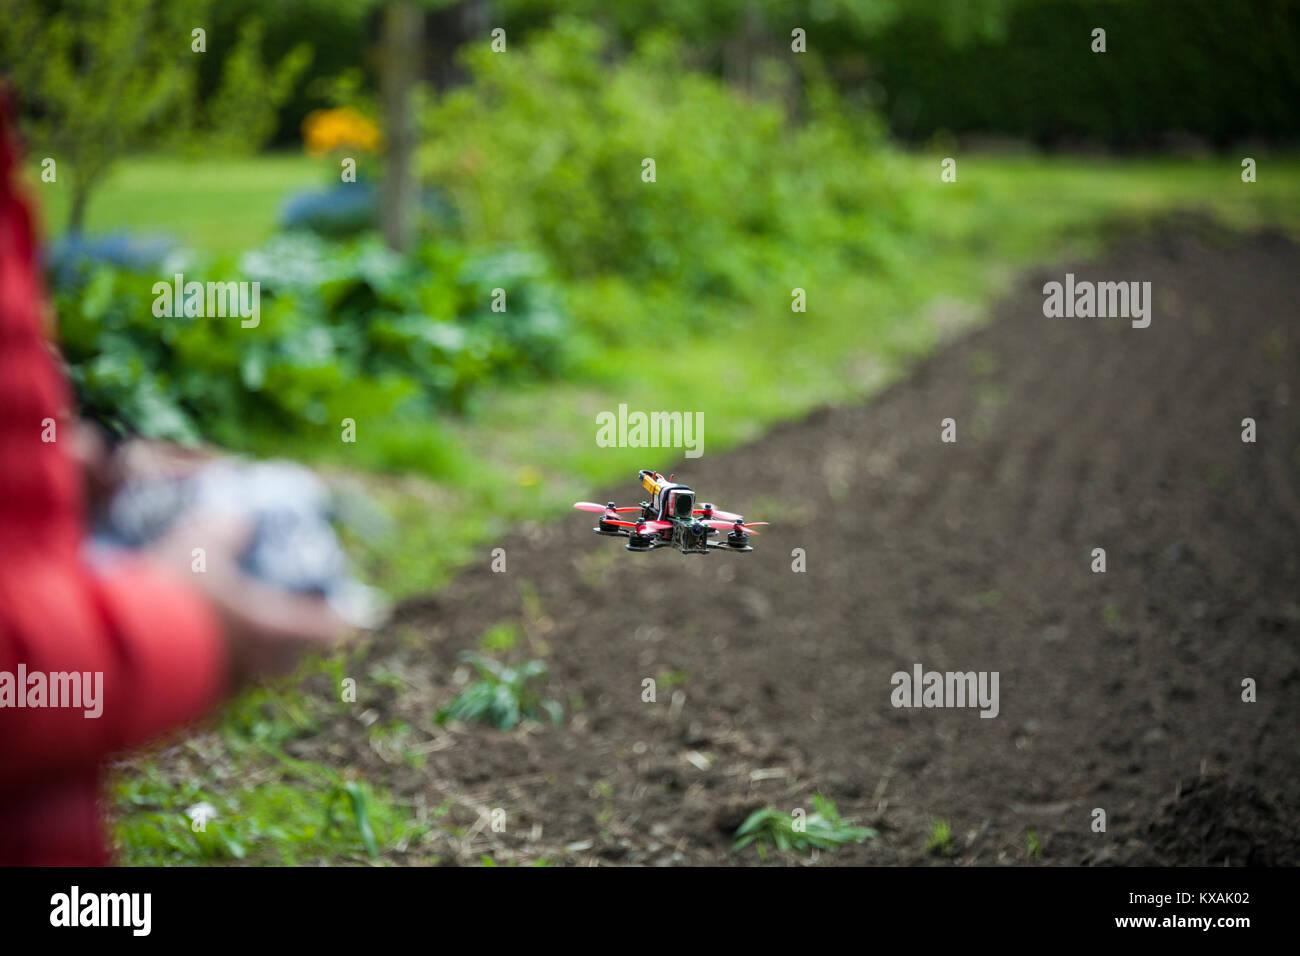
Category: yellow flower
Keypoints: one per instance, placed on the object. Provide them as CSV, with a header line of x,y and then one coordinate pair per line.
x,y
327,130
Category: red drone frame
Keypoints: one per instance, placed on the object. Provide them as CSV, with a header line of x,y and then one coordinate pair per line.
x,y
670,519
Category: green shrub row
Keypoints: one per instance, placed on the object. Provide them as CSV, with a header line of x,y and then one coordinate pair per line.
x,y
549,146
346,330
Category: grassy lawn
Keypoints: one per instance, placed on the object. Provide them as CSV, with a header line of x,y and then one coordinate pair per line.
x,y
526,452
216,205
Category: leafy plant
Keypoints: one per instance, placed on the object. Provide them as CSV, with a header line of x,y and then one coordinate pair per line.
x,y
502,695
356,798
940,841
346,330
823,829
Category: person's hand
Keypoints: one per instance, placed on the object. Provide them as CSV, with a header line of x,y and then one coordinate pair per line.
x,y
90,451
267,628
104,470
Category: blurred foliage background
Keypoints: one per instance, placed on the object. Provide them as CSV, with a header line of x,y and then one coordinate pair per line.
x,y
523,172
446,209
1213,70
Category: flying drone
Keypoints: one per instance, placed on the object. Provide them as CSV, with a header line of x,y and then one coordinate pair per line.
x,y
670,519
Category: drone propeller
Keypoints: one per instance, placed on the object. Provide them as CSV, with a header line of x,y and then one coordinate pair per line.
x,y
715,513
735,525
603,509
644,527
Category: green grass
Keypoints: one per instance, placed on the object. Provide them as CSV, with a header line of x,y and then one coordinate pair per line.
x,y
215,205
1010,203
272,823
270,807
529,451
267,808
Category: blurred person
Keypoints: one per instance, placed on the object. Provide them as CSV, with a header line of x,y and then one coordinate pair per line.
x,y
169,644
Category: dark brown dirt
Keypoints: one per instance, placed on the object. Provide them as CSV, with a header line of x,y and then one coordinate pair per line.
x,y
1120,691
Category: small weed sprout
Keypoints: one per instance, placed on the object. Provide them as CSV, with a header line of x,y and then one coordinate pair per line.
x,y
489,861
940,842
824,829
501,696
499,638
355,796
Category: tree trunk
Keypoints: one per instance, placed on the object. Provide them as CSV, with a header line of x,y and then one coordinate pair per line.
x,y
402,29
77,214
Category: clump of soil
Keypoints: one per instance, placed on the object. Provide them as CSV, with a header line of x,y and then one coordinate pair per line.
x,y
1221,822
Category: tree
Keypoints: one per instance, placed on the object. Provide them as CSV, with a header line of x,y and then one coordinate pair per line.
x,y
402,37
98,80
400,45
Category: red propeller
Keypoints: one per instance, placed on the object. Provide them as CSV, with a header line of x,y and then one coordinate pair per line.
x,y
733,525
715,513
644,527
601,509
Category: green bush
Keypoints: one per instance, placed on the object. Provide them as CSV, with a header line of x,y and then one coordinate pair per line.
x,y
1223,72
347,330
546,147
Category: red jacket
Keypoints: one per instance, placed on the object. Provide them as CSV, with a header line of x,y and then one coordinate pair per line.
x,y
155,641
